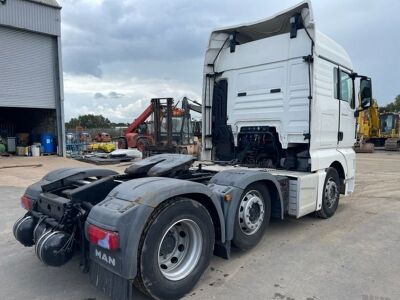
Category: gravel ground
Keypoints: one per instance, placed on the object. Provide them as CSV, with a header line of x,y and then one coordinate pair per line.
x,y
354,255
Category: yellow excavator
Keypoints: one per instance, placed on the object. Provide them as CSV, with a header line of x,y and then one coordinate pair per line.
x,y
390,131
368,129
374,129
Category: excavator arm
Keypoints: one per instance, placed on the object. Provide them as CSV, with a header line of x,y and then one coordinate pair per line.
x,y
375,121
195,108
187,107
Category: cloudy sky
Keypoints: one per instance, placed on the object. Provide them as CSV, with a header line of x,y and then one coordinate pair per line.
x,y
117,54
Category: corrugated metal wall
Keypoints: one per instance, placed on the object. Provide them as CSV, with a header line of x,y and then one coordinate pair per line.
x,y
30,61
27,69
31,16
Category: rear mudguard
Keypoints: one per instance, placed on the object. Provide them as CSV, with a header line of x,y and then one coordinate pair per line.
x,y
234,182
127,209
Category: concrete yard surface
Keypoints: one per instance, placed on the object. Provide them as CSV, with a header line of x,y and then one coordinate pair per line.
x,y
353,255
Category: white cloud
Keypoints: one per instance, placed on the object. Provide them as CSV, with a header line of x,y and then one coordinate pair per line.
x,y
142,49
81,91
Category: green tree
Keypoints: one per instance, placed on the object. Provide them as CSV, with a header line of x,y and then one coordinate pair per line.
x,y
120,124
72,124
89,121
392,107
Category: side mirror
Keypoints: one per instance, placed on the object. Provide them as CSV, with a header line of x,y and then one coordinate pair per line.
x,y
365,93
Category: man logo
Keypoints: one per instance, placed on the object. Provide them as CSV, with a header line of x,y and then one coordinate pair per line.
x,y
104,257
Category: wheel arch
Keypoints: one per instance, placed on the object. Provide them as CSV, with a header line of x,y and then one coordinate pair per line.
x,y
206,201
277,206
144,195
342,175
153,191
237,181
242,178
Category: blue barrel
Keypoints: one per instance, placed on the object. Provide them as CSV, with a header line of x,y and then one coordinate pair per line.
x,y
47,141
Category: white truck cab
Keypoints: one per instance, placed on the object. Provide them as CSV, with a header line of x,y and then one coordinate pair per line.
x,y
278,129
280,94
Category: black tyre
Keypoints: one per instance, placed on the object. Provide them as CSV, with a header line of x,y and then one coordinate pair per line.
x,y
252,216
175,249
330,197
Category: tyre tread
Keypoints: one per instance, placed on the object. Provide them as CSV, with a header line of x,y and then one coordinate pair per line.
x,y
139,281
246,245
322,213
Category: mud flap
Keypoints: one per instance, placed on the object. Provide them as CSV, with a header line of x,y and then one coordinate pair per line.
x,y
114,286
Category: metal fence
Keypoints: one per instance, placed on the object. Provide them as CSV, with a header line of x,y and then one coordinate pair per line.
x,y
113,132
77,141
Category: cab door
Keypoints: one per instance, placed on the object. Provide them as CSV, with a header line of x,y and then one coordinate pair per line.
x,y
327,114
346,96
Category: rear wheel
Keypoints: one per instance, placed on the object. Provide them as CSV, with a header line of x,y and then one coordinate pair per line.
x,y
175,249
252,216
330,197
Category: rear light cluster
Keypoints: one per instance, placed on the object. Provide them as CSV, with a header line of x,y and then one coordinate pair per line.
x,y
26,203
103,238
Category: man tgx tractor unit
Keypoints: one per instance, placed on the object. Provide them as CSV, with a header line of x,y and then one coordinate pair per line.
x,y
278,129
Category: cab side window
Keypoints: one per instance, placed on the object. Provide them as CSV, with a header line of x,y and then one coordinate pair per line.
x,y
343,86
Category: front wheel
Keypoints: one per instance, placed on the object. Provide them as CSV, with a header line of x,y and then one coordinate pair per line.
x,y
330,197
252,216
175,249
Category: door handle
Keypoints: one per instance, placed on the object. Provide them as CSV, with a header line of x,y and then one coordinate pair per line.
x,y
340,136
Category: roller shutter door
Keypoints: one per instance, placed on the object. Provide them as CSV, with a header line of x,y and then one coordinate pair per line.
x,y
27,69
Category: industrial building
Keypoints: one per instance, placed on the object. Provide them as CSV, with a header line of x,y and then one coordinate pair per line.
x,y
31,82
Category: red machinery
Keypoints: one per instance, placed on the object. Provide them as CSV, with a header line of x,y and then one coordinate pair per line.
x,y
137,135
170,129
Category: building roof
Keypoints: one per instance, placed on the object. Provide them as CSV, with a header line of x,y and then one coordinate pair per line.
x,y
52,3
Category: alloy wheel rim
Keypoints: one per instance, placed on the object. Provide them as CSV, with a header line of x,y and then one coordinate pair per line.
x,y
180,249
331,192
251,212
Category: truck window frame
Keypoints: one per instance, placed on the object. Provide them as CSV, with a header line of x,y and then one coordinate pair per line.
x,y
337,72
